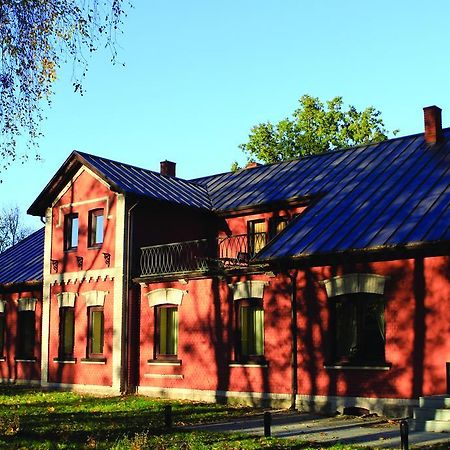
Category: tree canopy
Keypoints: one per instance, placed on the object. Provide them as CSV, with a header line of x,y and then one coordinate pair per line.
x,y
36,38
314,128
12,230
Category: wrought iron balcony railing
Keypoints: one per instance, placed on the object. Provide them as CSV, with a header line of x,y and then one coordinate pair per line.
x,y
177,257
200,255
236,250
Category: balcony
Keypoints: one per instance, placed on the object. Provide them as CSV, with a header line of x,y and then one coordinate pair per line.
x,y
229,252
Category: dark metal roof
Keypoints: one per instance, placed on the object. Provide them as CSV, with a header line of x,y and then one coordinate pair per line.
x,y
123,178
395,193
276,182
143,182
23,262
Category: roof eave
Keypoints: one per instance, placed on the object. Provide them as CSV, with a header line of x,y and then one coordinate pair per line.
x,y
16,286
414,249
301,200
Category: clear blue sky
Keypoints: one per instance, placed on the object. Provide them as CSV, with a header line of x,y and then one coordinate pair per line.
x,y
199,74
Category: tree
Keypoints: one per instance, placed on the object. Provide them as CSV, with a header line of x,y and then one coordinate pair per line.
x,y
314,128
12,229
36,38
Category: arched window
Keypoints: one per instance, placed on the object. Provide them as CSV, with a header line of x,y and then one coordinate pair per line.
x,y
66,303
26,329
249,315
96,324
249,321
357,324
165,303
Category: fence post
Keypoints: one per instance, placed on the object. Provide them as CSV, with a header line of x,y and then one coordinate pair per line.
x,y
168,416
404,430
267,424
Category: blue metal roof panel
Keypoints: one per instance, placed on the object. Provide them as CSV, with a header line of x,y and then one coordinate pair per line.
x,y
392,210
150,184
276,182
388,194
411,205
358,197
23,261
363,207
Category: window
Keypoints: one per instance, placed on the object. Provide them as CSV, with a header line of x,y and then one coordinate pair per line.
x,y
25,335
2,333
66,332
250,327
358,329
96,222
277,225
71,231
166,330
256,236
95,332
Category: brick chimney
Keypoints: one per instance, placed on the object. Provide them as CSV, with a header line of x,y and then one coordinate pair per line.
x,y
433,124
252,164
168,168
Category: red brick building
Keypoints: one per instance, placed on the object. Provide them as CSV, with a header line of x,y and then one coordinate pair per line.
x,y
317,283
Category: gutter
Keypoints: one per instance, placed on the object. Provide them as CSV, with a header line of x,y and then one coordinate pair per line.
x,y
294,337
381,253
15,286
126,304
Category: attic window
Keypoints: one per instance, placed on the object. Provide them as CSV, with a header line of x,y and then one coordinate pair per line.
x,y
71,231
96,224
277,225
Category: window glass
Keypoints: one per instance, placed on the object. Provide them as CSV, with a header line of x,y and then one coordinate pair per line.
x,y
256,236
96,331
359,328
167,331
67,332
250,330
71,231
96,224
25,334
277,225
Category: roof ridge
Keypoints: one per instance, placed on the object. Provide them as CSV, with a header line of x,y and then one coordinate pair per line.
x,y
317,155
82,154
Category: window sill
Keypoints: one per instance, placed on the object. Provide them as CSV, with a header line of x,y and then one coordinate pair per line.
x,y
160,376
338,366
65,360
164,362
2,359
27,360
71,250
248,364
95,246
93,360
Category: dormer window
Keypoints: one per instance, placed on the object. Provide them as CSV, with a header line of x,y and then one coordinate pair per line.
x,y
96,227
277,225
256,236
71,231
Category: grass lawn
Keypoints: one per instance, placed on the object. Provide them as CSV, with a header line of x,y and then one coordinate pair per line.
x,y
60,420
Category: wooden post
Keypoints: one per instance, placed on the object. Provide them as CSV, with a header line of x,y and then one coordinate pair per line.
x,y
404,431
267,424
168,416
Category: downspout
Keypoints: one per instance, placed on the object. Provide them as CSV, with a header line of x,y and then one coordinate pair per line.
x,y
294,335
126,297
